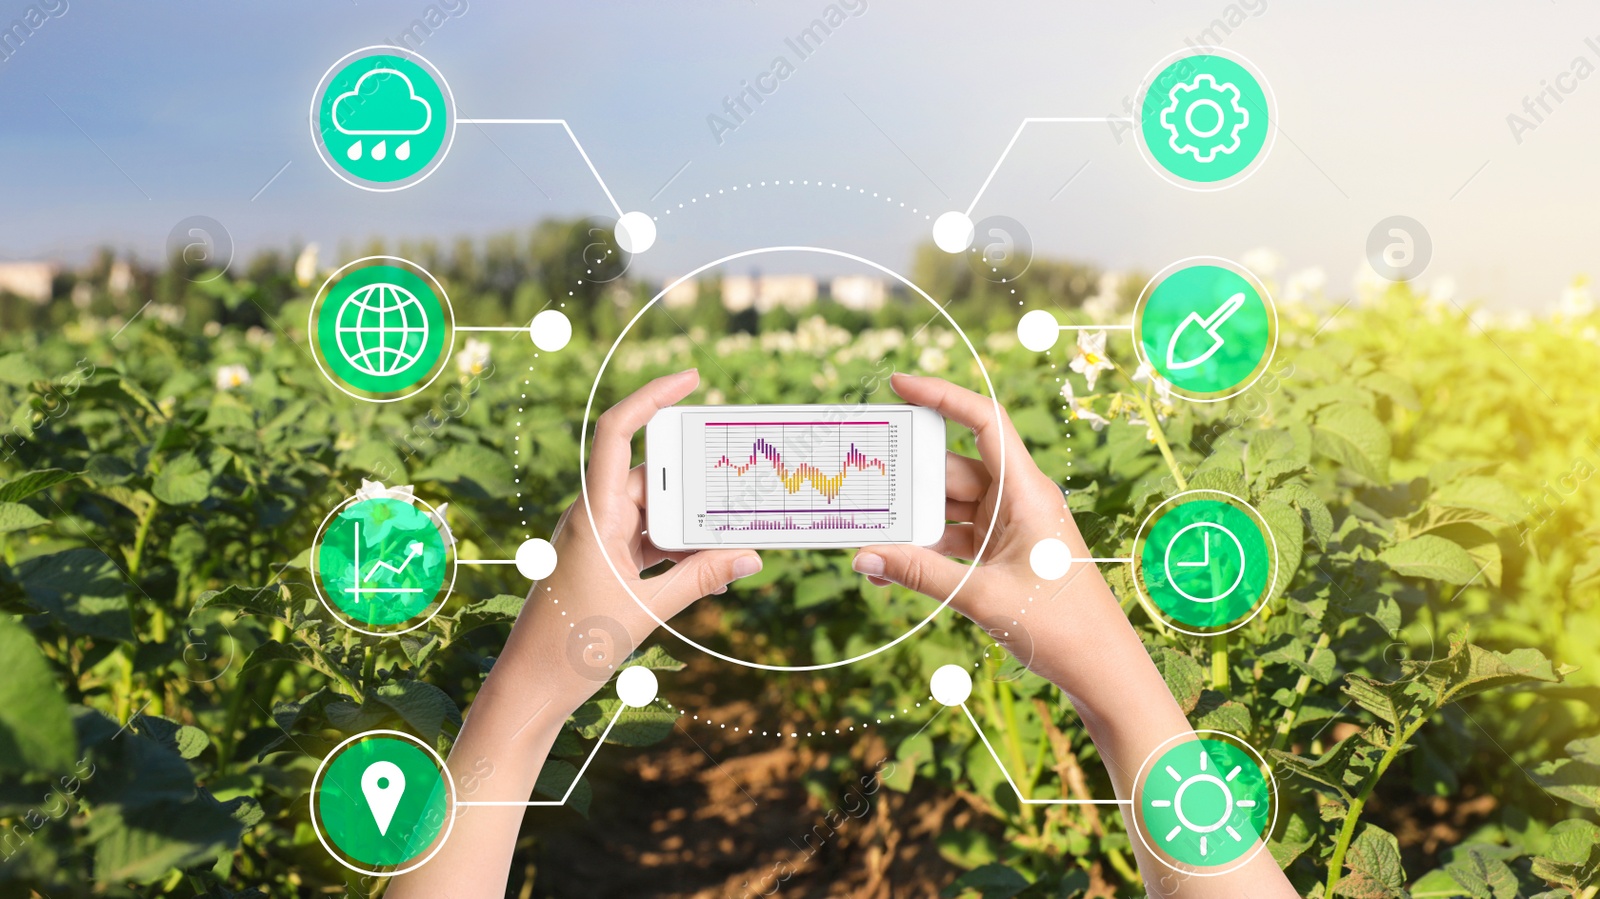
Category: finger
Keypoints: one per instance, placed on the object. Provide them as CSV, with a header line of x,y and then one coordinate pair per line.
x,y
699,574
955,510
958,541
913,567
970,409
614,430
965,478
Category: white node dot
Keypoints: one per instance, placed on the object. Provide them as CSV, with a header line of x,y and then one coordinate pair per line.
x,y
636,232
536,558
1038,330
636,686
951,685
1050,559
953,232
550,330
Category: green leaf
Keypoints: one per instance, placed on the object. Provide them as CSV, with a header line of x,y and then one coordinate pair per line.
x,y
25,485
1484,877
655,658
267,601
1341,769
992,881
108,470
1375,870
1353,437
183,481
645,726
36,733
82,590
18,370
1484,494
146,844
422,705
1217,712
17,517
555,777
1288,532
476,471
500,609
1184,676
1432,557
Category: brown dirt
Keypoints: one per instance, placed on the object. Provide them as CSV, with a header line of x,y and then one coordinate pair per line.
x,y
714,814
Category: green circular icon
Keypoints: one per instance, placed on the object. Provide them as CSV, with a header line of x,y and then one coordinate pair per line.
x,y
381,328
382,562
1205,119
1204,562
382,800
382,118
1206,325
1205,802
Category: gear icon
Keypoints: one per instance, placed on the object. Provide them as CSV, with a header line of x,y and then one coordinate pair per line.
x,y
1222,118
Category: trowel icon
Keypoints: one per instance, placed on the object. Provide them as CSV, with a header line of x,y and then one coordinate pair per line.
x,y
1208,326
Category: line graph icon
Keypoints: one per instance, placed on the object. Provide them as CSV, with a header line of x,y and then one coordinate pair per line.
x,y
381,562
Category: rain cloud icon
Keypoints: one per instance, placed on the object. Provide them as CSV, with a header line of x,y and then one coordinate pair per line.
x,y
383,103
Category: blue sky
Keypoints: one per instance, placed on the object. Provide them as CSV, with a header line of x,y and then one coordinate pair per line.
x,y
118,120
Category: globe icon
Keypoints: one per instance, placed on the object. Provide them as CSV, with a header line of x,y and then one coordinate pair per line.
x,y
381,329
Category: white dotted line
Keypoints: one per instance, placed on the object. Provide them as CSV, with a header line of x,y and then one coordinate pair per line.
x,y
818,731
805,182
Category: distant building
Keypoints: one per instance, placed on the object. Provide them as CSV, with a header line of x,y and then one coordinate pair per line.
x,y
28,280
768,292
683,295
862,293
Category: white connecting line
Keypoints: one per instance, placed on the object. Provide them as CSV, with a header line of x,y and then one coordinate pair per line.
x,y
621,707
1020,798
563,124
1025,122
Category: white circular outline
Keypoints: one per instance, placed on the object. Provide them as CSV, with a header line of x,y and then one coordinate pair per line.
x,y
316,569
588,412
1138,805
450,114
316,345
1166,562
1155,611
1236,178
1238,269
450,812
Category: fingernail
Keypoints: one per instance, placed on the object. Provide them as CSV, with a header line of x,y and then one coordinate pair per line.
x,y
868,563
746,566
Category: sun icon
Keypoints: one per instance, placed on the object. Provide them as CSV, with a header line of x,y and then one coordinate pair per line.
x,y
1206,802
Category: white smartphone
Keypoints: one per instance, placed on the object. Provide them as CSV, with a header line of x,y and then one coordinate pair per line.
x,y
794,476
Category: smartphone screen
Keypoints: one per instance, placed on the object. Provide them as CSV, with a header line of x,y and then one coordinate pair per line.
x,y
812,476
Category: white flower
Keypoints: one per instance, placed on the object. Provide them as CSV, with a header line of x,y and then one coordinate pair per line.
x,y
1081,409
474,357
1162,386
231,376
1577,301
1107,299
406,494
1263,261
932,360
1091,359
1306,284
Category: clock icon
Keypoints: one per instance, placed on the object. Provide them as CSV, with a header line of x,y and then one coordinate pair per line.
x,y
1200,552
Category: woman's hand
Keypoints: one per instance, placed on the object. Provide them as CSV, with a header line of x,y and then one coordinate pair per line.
x,y
583,603
1034,508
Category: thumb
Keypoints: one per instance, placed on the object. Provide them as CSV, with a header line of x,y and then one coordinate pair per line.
x,y
701,574
913,567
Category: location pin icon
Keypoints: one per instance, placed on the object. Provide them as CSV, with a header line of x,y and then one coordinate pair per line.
x,y
383,784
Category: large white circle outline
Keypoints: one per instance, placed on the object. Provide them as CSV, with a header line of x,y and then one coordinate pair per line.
x,y
374,50
450,815
1150,286
1138,805
449,333
1154,611
316,571
1205,186
588,411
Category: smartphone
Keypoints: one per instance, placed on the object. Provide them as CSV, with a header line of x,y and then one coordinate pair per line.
x,y
794,476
